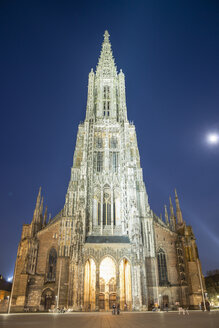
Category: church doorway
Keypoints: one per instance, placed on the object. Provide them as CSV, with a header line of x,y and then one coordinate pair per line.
x,y
107,296
125,285
48,299
165,301
90,285
102,301
112,300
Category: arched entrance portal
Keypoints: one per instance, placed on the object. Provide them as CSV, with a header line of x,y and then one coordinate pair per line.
x,y
107,296
165,301
48,299
90,286
125,285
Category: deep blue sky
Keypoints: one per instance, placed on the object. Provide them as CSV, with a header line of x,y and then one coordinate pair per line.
x,y
169,52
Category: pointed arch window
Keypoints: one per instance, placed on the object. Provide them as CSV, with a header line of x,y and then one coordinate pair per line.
x,y
162,268
107,207
98,142
113,142
97,206
98,161
99,212
52,260
102,285
106,101
109,211
114,161
112,285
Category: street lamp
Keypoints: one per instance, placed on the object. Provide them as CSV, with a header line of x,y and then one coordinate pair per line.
x,y
159,301
8,297
201,285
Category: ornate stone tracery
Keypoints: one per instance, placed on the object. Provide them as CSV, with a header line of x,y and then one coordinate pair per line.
x,y
106,225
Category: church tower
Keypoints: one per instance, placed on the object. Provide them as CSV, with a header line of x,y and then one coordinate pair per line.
x,y
106,245
106,196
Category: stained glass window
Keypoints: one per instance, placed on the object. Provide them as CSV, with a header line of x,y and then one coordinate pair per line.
x,y
162,268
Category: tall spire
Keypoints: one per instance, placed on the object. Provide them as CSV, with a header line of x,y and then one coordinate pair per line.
x,y
37,215
37,207
106,36
172,216
106,64
171,208
166,215
45,217
41,208
106,99
178,210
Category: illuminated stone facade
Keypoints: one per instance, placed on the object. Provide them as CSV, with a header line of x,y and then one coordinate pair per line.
x,y
106,245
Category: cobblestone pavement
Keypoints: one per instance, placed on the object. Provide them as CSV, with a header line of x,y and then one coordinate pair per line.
x,y
107,320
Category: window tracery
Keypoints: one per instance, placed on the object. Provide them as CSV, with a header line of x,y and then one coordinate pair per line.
x,y
113,142
114,161
98,161
98,142
107,207
51,273
162,268
106,101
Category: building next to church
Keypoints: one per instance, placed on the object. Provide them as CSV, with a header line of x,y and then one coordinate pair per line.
x,y
106,245
5,292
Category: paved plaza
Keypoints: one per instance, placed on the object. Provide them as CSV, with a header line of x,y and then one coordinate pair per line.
x,y
107,320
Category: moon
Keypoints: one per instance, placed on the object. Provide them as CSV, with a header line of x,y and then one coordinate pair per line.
x,y
213,138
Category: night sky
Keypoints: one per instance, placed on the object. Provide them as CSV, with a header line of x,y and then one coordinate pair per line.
x,y
169,52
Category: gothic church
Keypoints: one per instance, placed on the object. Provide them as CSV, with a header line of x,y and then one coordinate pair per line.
x,y
106,245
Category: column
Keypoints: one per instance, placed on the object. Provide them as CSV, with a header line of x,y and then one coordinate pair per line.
x,y
97,287
112,209
107,297
101,212
118,285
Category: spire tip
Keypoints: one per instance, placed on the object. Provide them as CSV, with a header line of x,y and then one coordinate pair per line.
x,y
106,36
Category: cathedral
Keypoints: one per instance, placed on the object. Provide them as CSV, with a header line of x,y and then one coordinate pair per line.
x,y
106,245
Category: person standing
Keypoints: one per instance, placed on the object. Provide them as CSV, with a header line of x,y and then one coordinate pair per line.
x,y
207,304
166,308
